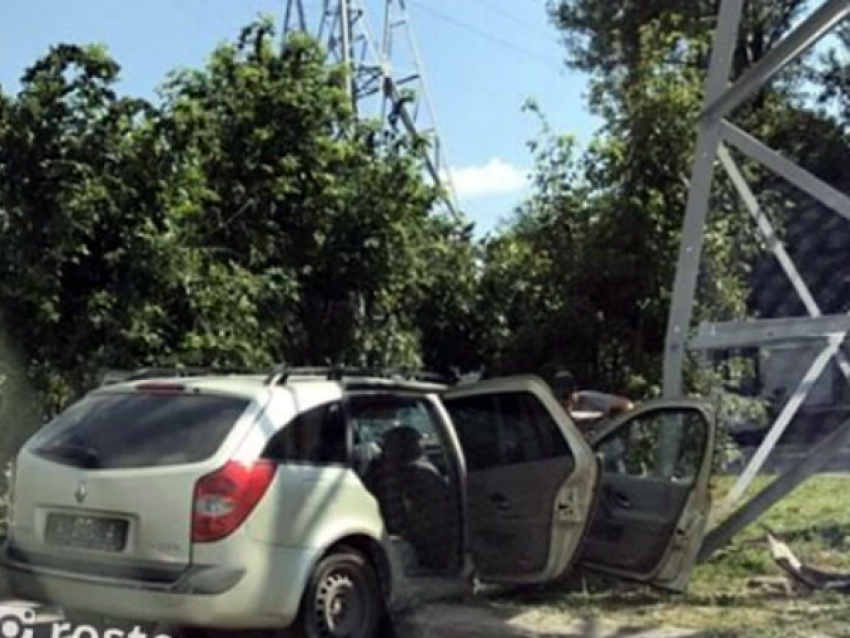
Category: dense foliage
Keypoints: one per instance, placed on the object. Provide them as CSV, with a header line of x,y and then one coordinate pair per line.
x,y
593,251
248,218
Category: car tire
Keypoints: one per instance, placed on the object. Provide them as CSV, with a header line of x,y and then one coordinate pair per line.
x,y
343,598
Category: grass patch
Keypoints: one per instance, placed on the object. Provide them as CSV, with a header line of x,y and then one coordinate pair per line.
x,y
739,592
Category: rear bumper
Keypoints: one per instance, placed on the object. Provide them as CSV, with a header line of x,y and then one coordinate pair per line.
x,y
266,594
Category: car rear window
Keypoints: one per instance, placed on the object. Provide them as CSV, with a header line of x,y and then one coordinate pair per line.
x,y
138,429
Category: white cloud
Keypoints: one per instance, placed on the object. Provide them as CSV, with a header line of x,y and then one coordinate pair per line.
x,y
496,177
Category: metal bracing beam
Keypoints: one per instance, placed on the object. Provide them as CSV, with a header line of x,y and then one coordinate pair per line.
x,y
687,269
815,461
801,178
833,349
348,52
328,22
767,232
720,101
789,410
421,110
733,335
432,161
792,46
294,18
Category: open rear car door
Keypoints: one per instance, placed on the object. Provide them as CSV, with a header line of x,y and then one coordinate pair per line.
x,y
531,478
654,499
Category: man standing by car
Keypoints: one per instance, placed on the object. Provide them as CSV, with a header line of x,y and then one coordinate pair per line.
x,y
587,407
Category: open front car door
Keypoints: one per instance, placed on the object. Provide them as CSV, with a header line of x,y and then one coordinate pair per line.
x,y
530,478
654,499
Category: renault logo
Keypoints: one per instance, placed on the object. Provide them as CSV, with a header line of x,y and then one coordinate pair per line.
x,y
81,492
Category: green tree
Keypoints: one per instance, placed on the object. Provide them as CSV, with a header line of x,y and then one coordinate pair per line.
x,y
70,212
296,191
247,219
613,247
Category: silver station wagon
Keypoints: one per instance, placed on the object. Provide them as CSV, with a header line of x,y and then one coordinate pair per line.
x,y
327,500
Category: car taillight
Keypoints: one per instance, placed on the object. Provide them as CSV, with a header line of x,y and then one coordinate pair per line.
x,y
225,498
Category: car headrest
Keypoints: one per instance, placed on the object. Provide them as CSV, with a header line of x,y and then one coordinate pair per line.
x,y
403,444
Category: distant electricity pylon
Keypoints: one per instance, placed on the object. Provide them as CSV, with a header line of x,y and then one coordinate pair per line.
x,y
385,78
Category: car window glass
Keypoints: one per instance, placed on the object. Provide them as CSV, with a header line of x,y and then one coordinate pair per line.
x,y
372,416
317,435
516,438
549,439
505,429
667,444
476,423
140,429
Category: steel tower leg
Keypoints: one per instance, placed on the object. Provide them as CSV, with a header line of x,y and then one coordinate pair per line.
x,y
714,133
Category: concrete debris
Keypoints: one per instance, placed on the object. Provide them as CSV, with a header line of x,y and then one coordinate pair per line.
x,y
806,576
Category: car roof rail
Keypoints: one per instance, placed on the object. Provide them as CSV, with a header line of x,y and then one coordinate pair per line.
x,y
280,375
112,377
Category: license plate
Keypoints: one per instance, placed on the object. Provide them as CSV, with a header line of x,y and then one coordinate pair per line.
x,y
86,532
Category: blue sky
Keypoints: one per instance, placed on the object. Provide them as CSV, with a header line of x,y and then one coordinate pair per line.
x,y
482,60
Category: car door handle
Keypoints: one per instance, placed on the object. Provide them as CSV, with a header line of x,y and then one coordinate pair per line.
x,y
500,501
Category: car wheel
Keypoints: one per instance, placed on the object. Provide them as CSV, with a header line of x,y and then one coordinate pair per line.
x,y
343,598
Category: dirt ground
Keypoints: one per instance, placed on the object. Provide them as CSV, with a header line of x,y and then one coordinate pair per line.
x,y
482,621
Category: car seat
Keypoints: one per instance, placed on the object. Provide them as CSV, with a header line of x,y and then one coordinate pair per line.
x,y
416,500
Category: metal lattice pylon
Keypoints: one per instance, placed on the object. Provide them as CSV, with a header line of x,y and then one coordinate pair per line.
x,y
716,135
385,78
